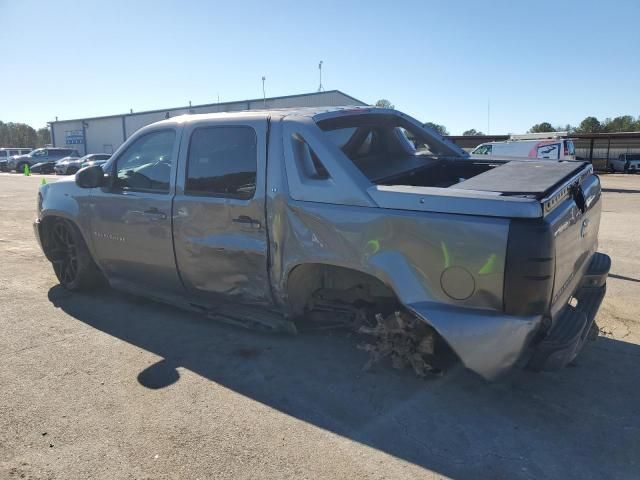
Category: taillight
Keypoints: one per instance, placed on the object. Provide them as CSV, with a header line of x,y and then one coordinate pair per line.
x,y
529,268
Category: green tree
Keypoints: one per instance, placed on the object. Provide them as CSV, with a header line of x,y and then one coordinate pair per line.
x,y
472,132
43,137
441,129
17,135
541,128
384,103
624,123
589,125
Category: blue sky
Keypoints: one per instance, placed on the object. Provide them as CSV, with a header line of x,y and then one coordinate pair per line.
x,y
555,61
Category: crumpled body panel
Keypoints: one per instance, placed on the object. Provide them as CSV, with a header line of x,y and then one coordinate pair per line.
x,y
411,252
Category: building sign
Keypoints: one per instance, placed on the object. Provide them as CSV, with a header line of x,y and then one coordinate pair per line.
x,y
74,137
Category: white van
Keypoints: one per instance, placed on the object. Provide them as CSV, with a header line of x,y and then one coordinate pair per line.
x,y
551,146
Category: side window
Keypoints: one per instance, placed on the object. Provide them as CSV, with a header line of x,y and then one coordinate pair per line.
x,y
307,160
222,162
483,150
146,163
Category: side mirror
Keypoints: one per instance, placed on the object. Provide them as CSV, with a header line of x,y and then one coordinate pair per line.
x,y
90,177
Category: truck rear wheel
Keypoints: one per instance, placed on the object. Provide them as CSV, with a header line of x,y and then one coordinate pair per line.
x,y
72,262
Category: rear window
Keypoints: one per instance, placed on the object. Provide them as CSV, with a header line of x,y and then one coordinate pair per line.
x,y
633,157
382,144
222,162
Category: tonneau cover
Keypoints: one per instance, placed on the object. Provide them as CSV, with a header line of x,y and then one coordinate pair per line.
x,y
522,177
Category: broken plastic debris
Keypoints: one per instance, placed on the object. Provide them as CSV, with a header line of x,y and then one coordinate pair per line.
x,y
402,337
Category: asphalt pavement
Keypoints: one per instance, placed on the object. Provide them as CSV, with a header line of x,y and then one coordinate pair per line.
x,y
107,386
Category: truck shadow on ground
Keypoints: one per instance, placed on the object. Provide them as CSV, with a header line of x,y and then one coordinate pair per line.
x,y
582,422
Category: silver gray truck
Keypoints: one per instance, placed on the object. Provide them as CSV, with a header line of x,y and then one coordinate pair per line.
x,y
265,218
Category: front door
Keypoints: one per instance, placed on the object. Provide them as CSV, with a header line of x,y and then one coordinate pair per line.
x,y
131,219
219,220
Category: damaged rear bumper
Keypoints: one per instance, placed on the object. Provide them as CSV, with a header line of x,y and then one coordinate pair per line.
x,y
491,343
570,330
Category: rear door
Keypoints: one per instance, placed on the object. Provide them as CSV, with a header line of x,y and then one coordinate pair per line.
x,y
219,211
131,219
569,150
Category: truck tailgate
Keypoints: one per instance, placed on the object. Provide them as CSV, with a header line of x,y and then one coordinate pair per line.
x,y
574,226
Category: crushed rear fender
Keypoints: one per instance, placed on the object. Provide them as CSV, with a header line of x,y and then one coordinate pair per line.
x,y
486,341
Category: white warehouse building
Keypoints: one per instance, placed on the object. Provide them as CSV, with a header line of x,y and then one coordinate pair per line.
x,y
106,134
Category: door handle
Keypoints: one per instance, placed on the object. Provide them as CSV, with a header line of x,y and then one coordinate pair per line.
x,y
154,214
247,220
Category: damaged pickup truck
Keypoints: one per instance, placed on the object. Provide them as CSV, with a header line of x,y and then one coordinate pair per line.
x,y
269,217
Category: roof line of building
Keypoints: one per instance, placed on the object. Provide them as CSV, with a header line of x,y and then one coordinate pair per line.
x,y
602,135
204,105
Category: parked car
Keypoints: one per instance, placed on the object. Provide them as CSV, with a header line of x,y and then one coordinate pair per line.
x,y
626,162
96,161
44,167
70,165
347,219
6,153
547,146
40,155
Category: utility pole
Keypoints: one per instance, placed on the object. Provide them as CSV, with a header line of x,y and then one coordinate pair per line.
x,y
264,95
488,116
320,88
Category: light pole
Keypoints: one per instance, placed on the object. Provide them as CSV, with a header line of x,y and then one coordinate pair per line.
x,y
264,95
320,88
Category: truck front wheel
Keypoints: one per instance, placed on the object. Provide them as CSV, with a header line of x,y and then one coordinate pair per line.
x,y
72,262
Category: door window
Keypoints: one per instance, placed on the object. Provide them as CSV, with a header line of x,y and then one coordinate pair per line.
x,y
222,162
146,164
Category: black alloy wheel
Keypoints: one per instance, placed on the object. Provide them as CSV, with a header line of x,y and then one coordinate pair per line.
x,y
64,254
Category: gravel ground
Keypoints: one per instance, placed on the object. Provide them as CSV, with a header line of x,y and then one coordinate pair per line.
x,y
108,386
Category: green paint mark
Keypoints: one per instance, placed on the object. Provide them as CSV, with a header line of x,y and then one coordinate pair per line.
x,y
489,266
372,247
445,255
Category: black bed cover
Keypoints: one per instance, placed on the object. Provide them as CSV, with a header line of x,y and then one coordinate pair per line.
x,y
522,177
